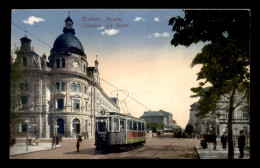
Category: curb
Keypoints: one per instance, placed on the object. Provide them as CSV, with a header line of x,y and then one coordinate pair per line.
x,y
197,152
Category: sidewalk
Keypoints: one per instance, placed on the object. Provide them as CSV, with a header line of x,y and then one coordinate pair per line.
x,y
219,153
20,148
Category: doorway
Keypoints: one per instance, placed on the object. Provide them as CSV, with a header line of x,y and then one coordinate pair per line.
x,y
76,127
60,123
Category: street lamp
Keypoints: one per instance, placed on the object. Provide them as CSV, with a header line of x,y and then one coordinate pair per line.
x,y
27,121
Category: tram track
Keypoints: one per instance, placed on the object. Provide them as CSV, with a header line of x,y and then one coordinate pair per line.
x,y
165,147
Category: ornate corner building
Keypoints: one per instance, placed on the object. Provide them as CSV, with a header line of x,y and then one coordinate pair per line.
x,y
61,95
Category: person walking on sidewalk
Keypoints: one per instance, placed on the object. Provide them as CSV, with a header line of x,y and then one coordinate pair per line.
x,y
78,141
54,141
60,138
241,143
224,140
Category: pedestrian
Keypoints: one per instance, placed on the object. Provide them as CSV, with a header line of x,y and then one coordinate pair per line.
x,y
241,143
77,145
53,141
60,138
78,141
57,140
224,140
85,135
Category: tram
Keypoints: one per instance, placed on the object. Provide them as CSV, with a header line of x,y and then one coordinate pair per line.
x,y
115,130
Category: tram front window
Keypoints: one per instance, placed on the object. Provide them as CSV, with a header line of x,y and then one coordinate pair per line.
x,y
101,126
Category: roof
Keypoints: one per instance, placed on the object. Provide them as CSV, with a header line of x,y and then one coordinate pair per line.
x,y
67,40
69,19
152,114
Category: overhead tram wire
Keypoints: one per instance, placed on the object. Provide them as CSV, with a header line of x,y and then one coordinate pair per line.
x,y
31,34
126,94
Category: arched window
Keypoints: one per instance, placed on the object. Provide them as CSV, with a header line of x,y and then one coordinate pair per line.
x,y
58,86
78,88
58,63
62,85
73,87
63,63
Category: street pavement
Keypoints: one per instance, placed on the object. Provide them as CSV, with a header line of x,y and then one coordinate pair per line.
x,y
164,147
155,148
219,153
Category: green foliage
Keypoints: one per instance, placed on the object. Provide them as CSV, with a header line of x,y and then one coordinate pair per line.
x,y
154,126
189,129
224,59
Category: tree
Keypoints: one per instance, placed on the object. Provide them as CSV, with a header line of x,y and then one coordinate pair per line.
x,y
154,126
224,58
189,129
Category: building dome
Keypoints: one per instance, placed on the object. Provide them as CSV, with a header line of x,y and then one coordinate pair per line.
x,y
68,40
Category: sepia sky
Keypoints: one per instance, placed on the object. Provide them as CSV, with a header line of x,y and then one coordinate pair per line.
x,y
134,53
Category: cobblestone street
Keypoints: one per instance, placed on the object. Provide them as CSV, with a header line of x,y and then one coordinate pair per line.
x,y
155,148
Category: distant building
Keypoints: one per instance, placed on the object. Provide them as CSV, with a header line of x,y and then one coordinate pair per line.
x,y
160,117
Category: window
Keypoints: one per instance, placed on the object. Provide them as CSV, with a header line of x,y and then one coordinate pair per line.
x,y
244,115
78,88
24,127
122,124
75,105
60,104
134,125
21,86
139,126
73,87
57,85
116,124
63,63
102,125
129,125
24,86
24,101
57,63
24,61
143,127
84,68
85,89
63,86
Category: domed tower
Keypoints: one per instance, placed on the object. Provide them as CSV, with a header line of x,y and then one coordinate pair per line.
x,y
67,52
69,84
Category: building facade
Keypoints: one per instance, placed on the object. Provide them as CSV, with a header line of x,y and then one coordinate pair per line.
x,y
61,95
159,117
218,124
